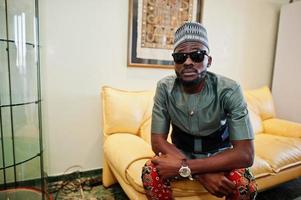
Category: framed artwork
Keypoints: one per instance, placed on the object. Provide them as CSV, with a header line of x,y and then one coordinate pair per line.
x,y
152,24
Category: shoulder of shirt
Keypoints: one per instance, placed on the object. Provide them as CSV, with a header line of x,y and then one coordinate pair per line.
x,y
222,83
167,82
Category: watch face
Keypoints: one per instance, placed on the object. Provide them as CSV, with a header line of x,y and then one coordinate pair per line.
x,y
184,171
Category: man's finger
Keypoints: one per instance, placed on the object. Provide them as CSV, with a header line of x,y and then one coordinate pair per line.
x,y
154,160
221,191
229,185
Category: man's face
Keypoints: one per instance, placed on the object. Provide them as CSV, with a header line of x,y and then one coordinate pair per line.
x,y
189,71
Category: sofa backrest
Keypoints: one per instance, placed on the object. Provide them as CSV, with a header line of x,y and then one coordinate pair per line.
x,y
125,111
260,106
130,112
261,102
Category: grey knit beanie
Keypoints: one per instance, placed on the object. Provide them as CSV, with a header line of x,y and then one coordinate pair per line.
x,y
191,31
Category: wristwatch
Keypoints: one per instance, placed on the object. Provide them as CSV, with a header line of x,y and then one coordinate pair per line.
x,y
184,170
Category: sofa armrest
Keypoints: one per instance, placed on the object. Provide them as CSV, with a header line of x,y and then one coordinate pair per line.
x,y
282,127
122,149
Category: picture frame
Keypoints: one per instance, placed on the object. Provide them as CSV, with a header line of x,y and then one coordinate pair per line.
x,y
151,28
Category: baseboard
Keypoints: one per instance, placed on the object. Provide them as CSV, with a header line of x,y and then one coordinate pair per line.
x,y
74,175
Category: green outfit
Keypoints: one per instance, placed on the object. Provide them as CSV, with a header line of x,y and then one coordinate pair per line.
x,y
220,102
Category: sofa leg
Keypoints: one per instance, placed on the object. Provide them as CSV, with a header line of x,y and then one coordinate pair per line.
x,y
108,177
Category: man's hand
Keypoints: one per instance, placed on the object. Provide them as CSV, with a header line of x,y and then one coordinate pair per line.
x,y
217,184
167,165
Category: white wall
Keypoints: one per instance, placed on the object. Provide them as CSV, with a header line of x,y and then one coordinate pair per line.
x,y
84,46
242,35
287,68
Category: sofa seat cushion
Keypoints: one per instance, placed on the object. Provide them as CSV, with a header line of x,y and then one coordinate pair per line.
x,y
261,168
180,188
186,187
278,151
122,149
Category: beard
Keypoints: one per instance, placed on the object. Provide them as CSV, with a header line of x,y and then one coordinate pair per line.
x,y
194,82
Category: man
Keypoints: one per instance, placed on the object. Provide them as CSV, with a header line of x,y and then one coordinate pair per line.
x,y
211,132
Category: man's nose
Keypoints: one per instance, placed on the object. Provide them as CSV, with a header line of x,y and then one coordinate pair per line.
x,y
188,62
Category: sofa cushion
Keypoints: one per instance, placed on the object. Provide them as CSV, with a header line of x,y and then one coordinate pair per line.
x,y
180,188
122,149
185,187
125,111
282,127
261,102
279,152
145,131
255,121
133,174
261,168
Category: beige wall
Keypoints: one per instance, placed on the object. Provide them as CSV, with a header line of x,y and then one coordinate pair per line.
x,y
287,68
84,46
242,37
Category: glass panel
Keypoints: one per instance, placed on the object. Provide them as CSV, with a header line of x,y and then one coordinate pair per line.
x,y
2,20
1,179
21,20
26,131
7,136
30,171
23,72
10,177
1,163
4,84
8,144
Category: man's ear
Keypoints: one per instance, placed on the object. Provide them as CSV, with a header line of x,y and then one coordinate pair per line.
x,y
209,61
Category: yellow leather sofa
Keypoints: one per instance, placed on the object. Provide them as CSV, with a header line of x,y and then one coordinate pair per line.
x,y
126,147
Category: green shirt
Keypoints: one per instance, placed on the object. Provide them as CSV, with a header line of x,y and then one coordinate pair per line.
x,y
220,101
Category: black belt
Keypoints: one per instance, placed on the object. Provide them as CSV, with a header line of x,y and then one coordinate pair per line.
x,y
209,144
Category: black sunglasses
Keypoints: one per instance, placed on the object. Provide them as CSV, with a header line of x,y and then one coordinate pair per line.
x,y
195,56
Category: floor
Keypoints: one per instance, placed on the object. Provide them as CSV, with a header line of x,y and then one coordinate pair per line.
x,y
85,188
287,191
90,188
